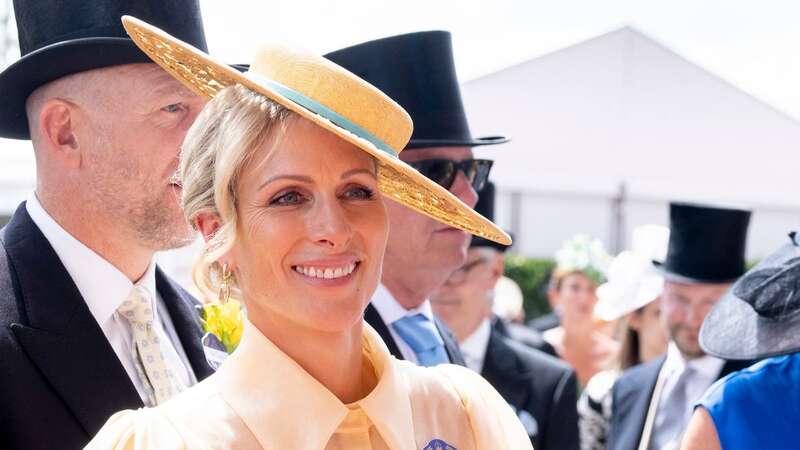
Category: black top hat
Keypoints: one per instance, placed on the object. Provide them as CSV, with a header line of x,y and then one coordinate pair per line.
x,y
760,315
706,244
417,71
485,207
61,37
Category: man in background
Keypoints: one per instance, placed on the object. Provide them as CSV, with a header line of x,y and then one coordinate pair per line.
x,y
80,294
541,388
653,402
417,71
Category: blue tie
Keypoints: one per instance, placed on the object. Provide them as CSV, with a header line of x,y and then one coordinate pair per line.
x,y
421,335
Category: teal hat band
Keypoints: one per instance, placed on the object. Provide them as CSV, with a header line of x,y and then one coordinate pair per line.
x,y
318,108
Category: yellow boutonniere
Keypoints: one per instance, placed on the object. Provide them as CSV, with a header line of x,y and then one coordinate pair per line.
x,y
225,321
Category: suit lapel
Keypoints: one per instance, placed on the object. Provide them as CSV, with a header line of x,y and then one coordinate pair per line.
x,y
185,318
450,344
655,398
501,371
373,318
633,402
61,337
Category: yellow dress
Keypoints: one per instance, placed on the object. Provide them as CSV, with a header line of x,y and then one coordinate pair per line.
x,y
261,399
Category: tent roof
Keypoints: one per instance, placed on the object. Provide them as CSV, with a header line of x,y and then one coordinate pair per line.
x,y
622,108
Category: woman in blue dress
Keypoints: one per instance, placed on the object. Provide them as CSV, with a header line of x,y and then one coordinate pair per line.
x,y
759,407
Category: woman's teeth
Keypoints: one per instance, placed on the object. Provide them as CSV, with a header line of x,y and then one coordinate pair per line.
x,y
328,273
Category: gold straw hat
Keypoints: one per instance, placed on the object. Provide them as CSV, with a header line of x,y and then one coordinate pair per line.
x,y
331,97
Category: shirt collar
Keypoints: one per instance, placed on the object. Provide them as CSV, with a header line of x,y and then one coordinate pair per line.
x,y
102,286
271,410
391,310
706,366
474,346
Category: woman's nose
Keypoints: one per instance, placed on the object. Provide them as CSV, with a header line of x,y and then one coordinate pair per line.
x,y
462,189
330,224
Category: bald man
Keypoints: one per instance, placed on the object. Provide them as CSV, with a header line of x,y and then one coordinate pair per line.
x,y
80,293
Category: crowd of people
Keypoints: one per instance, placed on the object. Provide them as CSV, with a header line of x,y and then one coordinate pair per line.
x,y
351,288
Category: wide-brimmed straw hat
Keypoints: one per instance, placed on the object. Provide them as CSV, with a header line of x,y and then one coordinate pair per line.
x,y
331,97
485,207
759,317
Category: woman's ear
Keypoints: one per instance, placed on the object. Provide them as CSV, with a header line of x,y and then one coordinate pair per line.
x,y
208,224
552,296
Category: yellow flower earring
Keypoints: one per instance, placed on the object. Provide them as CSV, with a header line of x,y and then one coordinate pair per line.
x,y
224,319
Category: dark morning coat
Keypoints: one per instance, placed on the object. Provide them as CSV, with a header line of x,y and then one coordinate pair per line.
x,y
373,318
523,334
60,379
539,384
632,394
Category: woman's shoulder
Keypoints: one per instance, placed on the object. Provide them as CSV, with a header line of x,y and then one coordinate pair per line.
x,y
461,394
765,398
445,382
181,423
770,375
145,428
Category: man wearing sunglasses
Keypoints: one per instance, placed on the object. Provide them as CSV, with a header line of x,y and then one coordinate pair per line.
x,y
418,72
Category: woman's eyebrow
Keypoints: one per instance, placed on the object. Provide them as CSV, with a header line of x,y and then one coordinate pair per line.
x,y
300,178
352,172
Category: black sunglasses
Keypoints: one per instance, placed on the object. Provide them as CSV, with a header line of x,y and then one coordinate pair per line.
x,y
443,171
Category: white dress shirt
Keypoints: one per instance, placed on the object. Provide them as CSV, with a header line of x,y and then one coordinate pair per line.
x,y
474,346
104,288
391,311
706,370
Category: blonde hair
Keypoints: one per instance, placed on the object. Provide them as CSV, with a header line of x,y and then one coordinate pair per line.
x,y
218,145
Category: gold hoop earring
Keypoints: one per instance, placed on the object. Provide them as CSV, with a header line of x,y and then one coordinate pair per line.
x,y
225,287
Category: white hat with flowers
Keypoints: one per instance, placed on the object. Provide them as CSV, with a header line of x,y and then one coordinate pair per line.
x,y
633,281
583,254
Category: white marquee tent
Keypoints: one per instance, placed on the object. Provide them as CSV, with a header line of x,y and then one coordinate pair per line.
x,y
621,109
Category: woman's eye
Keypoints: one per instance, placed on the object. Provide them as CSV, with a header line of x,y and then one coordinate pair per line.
x,y
173,108
288,198
359,193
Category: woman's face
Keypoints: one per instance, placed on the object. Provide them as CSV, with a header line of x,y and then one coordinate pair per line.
x,y
653,337
576,296
312,231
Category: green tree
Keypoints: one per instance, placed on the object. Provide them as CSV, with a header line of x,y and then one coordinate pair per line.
x,y
532,275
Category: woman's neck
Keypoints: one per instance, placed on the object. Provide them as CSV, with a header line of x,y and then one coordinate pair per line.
x,y
335,360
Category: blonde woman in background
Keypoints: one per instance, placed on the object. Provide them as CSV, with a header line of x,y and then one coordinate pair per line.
x,y
631,298
282,174
583,342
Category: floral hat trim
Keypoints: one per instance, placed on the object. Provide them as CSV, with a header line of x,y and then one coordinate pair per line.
x,y
584,254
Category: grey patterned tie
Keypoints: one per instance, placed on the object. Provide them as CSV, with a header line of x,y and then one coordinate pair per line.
x,y
160,383
672,419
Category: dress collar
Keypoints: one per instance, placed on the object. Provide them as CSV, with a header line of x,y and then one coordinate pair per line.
x,y
102,286
271,393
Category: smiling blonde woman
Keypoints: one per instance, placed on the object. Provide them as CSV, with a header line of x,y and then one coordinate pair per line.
x,y
283,173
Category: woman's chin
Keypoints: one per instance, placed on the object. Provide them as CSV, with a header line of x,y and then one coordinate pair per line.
x,y
338,321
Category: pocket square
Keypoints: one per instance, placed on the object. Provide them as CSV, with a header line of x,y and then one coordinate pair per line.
x,y
438,444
